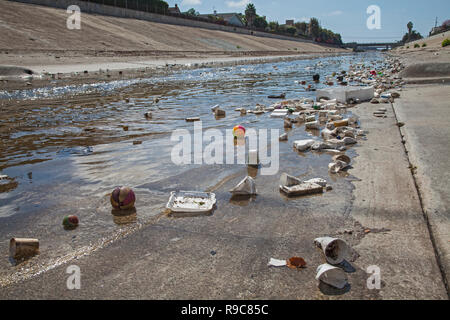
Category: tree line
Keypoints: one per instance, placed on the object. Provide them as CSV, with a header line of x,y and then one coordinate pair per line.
x,y
250,18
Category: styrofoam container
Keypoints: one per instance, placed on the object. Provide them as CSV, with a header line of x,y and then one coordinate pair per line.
x,y
343,94
279,113
191,201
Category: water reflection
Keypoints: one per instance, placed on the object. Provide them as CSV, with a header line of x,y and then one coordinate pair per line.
x,y
124,217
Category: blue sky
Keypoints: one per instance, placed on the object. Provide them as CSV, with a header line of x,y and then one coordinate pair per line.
x,y
347,17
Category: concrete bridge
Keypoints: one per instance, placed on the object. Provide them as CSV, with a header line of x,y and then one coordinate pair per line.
x,y
387,45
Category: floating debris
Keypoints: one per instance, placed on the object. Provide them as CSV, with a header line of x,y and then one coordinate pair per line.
x,y
246,187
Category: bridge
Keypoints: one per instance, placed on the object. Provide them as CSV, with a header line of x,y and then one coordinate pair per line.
x,y
387,45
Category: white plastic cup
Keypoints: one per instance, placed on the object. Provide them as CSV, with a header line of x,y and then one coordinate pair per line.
x,y
331,275
253,157
335,250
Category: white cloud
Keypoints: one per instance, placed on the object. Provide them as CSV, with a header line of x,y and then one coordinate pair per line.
x,y
304,19
191,2
237,4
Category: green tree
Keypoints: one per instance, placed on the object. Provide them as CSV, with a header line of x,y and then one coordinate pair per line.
x,y
302,28
274,26
260,22
409,26
192,12
314,28
250,14
411,35
291,30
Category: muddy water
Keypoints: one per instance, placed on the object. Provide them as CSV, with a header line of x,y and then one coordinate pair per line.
x,y
67,147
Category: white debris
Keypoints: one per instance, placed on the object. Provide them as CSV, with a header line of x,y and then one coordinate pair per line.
x,y
246,187
312,125
276,262
331,275
303,145
319,181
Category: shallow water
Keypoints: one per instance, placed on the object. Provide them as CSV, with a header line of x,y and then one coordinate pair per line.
x,y
68,152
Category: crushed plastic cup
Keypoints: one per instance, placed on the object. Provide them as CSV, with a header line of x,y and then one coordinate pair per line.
x,y
331,275
23,248
245,187
288,180
335,250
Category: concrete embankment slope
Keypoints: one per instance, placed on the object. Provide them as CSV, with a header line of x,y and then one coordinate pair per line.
x,y
34,27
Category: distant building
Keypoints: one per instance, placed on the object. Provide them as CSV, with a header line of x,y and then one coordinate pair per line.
x,y
174,10
231,18
289,22
444,27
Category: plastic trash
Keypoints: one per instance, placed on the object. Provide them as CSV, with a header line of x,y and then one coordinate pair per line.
x,y
192,119
303,145
238,131
122,198
246,186
337,166
288,180
253,158
344,94
342,157
70,222
287,123
148,115
320,145
301,189
23,248
312,125
280,96
283,137
279,113
349,140
335,250
219,113
319,181
191,201
277,262
341,123
296,263
331,275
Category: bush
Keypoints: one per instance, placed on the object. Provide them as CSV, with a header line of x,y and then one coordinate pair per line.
x,y
446,42
416,45
424,45
407,47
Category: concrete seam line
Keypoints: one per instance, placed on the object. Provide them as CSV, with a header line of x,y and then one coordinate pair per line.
x,y
424,213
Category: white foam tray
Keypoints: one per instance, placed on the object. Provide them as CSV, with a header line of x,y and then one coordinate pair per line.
x,y
191,201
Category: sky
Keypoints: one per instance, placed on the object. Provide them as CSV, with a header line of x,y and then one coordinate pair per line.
x,y
347,17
